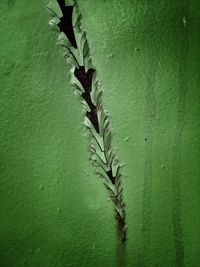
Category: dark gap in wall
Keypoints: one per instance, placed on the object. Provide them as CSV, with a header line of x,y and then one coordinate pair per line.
x,y
61,4
85,78
110,175
65,24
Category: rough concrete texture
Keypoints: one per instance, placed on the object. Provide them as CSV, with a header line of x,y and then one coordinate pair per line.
x,y
54,210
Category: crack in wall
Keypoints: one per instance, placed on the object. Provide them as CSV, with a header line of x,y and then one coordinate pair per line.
x,y
65,24
66,19
85,78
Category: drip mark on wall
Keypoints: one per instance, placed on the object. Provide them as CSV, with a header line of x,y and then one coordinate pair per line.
x,y
176,176
76,50
150,112
147,188
11,3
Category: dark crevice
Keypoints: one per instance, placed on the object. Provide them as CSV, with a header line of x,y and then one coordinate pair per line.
x,y
65,24
85,78
111,177
61,4
92,116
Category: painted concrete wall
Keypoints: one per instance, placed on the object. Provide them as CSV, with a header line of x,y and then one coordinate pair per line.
x,y
54,210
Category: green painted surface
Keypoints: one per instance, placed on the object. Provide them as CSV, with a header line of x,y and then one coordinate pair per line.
x,y
54,211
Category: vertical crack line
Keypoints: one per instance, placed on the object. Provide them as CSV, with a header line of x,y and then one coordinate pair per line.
x,y
65,23
72,38
148,171
177,145
149,115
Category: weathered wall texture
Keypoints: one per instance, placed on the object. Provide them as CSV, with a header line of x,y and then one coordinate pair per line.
x,y
54,210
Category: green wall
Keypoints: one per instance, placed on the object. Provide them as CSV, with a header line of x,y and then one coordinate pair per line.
x,y
54,210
